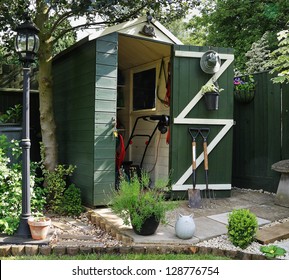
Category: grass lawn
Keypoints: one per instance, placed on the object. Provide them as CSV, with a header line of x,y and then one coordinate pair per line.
x,y
119,257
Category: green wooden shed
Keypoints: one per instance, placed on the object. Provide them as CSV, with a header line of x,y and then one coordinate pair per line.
x,y
121,76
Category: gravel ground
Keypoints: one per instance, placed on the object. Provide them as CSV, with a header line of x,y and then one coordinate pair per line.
x,y
80,230
222,242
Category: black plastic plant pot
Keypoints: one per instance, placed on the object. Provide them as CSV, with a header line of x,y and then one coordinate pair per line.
x,y
212,101
149,226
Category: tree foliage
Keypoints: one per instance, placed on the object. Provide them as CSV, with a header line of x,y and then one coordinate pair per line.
x,y
53,17
258,56
239,23
279,59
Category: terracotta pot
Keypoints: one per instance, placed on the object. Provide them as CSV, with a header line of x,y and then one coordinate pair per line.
x,y
39,227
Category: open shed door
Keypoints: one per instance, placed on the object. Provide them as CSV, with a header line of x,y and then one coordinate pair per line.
x,y
188,110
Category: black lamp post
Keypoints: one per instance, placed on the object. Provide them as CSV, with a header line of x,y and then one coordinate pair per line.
x,y
26,45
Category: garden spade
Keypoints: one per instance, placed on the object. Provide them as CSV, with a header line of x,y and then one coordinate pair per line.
x,y
209,193
194,194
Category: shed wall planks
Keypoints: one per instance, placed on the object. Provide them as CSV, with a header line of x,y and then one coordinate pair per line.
x,y
74,83
105,117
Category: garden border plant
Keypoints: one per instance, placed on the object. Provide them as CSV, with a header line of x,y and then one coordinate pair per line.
x,y
11,187
272,251
242,227
12,115
61,199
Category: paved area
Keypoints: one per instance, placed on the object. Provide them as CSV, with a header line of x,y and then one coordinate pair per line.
x,y
211,220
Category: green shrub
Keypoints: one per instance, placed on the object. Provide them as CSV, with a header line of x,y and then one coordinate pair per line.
x,y
55,183
11,187
242,227
71,202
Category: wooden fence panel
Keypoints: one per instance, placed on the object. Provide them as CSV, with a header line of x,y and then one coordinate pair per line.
x,y
257,137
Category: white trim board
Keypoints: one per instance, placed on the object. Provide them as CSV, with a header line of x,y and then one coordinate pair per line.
x,y
185,187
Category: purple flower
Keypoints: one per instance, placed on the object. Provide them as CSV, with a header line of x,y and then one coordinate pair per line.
x,y
244,83
237,81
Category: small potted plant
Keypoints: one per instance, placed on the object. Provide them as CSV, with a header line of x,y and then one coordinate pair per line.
x,y
211,92
39,227
140,205
244,89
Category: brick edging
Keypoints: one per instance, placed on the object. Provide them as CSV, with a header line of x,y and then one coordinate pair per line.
x,y
45,250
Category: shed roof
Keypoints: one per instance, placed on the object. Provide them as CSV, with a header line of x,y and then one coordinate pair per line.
x,y
142,49
134,28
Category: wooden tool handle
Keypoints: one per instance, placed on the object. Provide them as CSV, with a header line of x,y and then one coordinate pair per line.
x,y
194,155
206,162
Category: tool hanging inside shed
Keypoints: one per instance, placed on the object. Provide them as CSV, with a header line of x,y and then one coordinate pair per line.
x,y
167,77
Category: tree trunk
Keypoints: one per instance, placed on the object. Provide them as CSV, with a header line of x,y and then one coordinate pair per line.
x,y
47,121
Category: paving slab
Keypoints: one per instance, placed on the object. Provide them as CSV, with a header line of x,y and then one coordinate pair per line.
x,y
207,228
165,234
254,197
26,241
223,218
78,224
270,211
110,217
270,234
77,237
62,226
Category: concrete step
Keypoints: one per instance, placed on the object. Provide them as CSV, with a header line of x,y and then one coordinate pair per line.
x,y
273,233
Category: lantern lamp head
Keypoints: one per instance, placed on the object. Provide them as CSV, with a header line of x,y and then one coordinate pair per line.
x,y
27,42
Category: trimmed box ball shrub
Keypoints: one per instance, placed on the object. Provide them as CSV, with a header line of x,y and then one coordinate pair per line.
x,y
242,227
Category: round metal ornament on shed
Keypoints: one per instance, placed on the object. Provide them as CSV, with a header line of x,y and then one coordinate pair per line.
x,y
210,62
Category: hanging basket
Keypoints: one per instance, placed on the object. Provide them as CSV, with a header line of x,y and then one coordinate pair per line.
x,y
244,96
212,100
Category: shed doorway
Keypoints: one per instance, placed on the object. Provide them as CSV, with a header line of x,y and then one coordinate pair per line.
x,y
143,79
